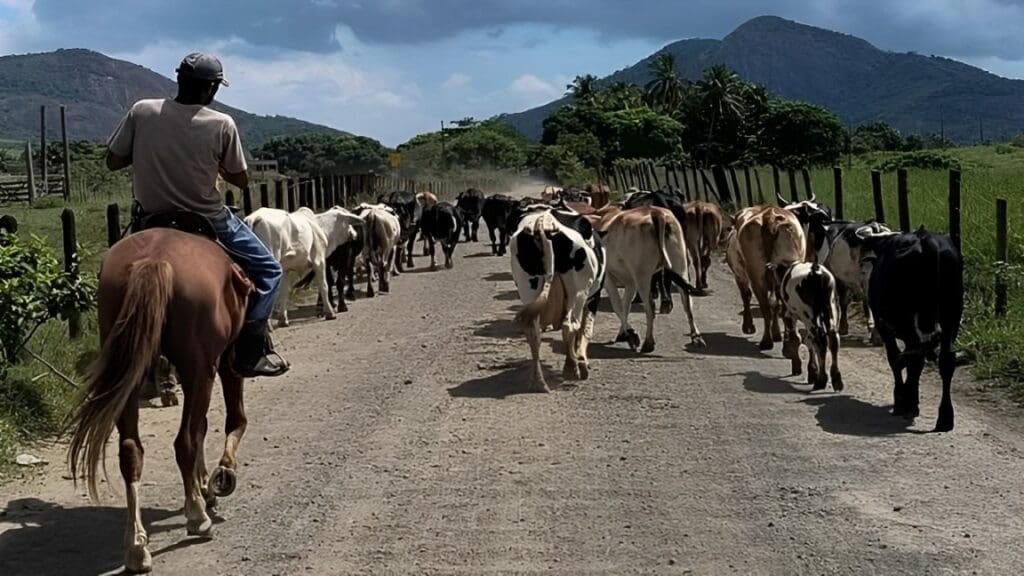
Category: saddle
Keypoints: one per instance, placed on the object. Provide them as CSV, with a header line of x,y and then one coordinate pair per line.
x,y
182,220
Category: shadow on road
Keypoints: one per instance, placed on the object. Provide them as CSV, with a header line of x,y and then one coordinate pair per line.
x,y
499,328
498,277
45,535
722,344
507,383
481,255
763,384
848,416
507,296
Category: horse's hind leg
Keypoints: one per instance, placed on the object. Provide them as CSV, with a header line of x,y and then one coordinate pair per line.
x,y
137,558
223,481
187,448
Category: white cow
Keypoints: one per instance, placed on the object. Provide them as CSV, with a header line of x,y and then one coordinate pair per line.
x,y
566,300
383,232
809,295
298,242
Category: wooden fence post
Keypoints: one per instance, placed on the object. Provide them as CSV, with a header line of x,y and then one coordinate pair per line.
x,y
30,171
113,224
246,201
67,152
264,195
291,185
837,182
760,191
44,161
954,207
654,174
750,193
808,191
67,221
794,194
876,191
903,197
279,194
1001,256
736,194
686,182
776,185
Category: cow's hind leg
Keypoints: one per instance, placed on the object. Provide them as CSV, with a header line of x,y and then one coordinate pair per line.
x,y
137,558
537,382
644,288
791,345
410,246
433,254
833,348
369,279
583,336
947,365
915,365
621,306
663,287
494,241
892,354
695,336
571,369
325,290
748,316
282,305
844,305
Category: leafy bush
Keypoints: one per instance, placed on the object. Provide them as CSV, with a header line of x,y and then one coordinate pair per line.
x,y
924,159
34,288
796,134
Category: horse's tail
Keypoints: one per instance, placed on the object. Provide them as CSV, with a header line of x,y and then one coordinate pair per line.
x,y
129,350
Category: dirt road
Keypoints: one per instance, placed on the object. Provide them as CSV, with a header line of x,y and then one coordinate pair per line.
x,y
400,443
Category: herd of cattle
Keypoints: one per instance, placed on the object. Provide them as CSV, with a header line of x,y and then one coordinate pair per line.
x,y
797,261
800,264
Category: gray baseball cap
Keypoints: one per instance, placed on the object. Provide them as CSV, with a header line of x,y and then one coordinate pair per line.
x,y
202,67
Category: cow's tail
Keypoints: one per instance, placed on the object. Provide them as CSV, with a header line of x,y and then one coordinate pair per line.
x,y
662,228
540,235
700,235
129,350
822,304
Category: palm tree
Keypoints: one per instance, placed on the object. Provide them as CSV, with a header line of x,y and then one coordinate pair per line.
x,y
624,96
583,88
666,89
721,92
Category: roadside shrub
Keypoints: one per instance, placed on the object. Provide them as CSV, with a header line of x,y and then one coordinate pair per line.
x,y
924,159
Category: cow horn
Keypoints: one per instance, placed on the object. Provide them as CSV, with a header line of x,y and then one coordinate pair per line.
x,y
782,201
814,198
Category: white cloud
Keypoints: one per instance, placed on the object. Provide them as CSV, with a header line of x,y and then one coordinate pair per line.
x,y
530,86
457,81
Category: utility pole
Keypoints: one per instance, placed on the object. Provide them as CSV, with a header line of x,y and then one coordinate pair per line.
x,y
942,123
444,156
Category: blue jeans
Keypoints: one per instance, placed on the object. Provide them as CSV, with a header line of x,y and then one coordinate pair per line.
x,y
254,258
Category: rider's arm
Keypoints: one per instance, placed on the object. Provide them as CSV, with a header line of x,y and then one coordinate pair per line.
x,y
119,147
232,160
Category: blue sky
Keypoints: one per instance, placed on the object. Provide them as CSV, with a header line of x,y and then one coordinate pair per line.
x,y
393,68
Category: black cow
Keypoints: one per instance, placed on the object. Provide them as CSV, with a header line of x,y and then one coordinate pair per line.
x,y
442,223
917,295
341,271
497,213
660,284
471,202
410,214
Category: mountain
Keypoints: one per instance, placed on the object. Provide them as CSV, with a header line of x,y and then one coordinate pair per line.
x,y
861,83
97,91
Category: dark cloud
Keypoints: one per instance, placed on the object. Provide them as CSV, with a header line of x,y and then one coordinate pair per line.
x,y
974,29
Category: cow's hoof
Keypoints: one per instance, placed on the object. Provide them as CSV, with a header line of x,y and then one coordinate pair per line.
x,y
795,367
223,482
200,528
282,323
837,382
666,307
944,424
433,267
540,387
876,339
844,328
449,265
749,329
330,316
633,339
168,398
648,347
765,345
698,341
137,559
584,371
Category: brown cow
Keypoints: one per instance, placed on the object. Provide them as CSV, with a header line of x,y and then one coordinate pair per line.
x,y
639,243
765,235
703,234
603,215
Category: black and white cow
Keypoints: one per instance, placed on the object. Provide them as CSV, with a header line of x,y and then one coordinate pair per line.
x,y
471,202
496,213
661,285
843,254
410,214
558,264
809,295
916,293
442,223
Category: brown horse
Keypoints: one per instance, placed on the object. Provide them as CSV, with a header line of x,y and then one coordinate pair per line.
x,y
167,292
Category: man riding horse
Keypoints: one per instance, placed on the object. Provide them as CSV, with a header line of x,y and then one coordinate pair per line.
x,y
178,147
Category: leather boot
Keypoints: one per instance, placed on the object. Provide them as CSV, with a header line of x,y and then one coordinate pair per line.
x,y
254,353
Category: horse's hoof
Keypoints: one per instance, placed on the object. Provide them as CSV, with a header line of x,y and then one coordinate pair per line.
x,y
648,347
201,529
138,560
223,482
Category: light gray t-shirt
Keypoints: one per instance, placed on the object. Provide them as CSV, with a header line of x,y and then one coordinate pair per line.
x,y
176,150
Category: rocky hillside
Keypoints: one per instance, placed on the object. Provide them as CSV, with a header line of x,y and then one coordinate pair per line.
x,y
914,93
97,91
